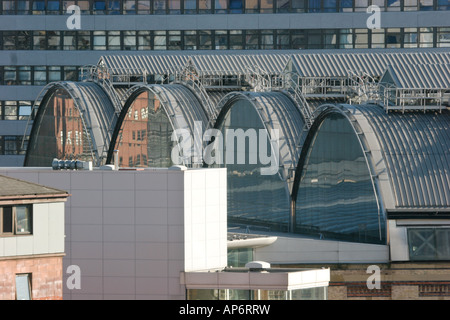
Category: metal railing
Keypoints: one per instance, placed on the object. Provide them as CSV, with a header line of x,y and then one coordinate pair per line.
x,y
294,89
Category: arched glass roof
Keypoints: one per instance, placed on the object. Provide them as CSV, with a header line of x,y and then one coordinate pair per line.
x,y
181,113
74,122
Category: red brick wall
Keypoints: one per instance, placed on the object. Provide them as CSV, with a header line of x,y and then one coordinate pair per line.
x,y
46,277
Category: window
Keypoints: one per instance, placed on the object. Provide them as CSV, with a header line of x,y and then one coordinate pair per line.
x,y
221,6
266,6
144,40
236,40
174,6
393,38
251,6
443,37
6,220
190,6
114,40
15,220
410,38
426,37
190,40
429,243
23,286
204,6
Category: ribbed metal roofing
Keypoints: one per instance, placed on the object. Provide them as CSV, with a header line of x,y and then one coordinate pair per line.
x,y
374,64
415,148
410,76
237,64
152,64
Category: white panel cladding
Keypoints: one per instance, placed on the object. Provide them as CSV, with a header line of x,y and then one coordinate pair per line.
x,y
47,236
300,250
130,231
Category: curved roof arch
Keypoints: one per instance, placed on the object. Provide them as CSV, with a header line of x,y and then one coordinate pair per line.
x,y
178,102
277,112
96,110
407,156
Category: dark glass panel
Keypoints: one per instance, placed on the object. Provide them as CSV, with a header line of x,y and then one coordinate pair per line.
x,y
254,200
336,199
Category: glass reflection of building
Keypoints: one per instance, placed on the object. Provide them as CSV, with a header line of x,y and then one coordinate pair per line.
x,y
254,200
144,139
60,133
336,198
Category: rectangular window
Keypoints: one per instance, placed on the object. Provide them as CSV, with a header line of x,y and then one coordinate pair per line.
x,y
426,37
39,42
114,40
378,38
190,6
6,220
10,110
160,40
99,7
393,38
174,7
346,5
144,7
429,244
24,74
9,7
129,40
23,219
426,5
205,42
69,40
236,6
70,74
24,110
129,7
251,39
174,40
54,40
144,39
23,40
283,5
266,6
298,39
113,7
159,6
9,40
52,6
251,6
38,7
298,5
190,40
54,74
84,40
410,5
443,37
23,286
221,6
10,75
99,41
267,41
283,39
204,6
410,39
236,40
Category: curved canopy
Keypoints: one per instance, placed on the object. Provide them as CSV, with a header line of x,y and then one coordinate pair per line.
x,y
181,111
74,121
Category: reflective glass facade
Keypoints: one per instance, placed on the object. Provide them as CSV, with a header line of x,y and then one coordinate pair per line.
x,y
59,132
336,199
254,200
144,139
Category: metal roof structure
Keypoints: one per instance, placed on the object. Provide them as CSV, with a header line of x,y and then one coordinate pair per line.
x,y
277,112
96,109
374,64
407,155
151,64
420,76
179,103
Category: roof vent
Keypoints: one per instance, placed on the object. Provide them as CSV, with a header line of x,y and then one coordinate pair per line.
x,y
257,265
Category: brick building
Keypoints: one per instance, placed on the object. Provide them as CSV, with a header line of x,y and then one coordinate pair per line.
x,y
31,240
